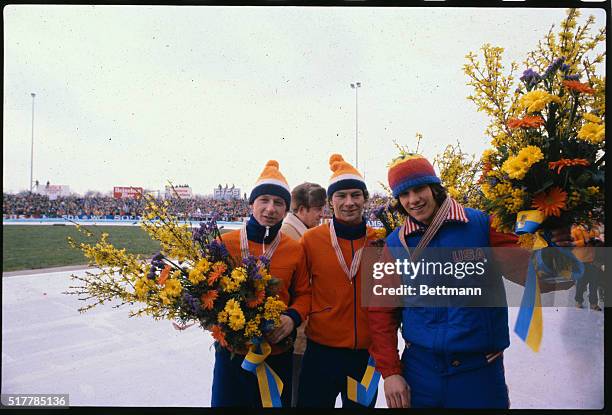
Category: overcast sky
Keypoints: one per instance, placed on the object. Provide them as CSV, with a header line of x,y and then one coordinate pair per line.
x,y
138,95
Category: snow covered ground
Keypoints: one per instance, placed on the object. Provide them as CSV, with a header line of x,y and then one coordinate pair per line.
x,y
104,358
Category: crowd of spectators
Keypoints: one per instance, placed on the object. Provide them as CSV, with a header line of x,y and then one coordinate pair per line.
x,y
34,205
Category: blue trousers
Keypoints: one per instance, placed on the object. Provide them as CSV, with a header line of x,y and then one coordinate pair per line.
x,y
233,386
465,380
324,372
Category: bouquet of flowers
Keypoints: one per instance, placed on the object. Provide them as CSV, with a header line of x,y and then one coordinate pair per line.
x,y
192,278
547,160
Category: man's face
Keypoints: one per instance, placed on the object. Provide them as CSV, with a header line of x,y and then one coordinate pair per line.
x,y
419,202
311,216
348,205
268,210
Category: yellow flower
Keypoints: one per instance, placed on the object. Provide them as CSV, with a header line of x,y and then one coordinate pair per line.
x,y
196,276
488,155
515,200
593,133
172,290
236,316
453,193
236,321
222,316
252,327
142,287
535,101
239,275
203,265
228,284
592,190
265,275
516,167
198,272
273,308
592,118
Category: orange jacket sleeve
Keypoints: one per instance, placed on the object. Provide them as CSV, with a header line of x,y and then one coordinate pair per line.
x,y
300,287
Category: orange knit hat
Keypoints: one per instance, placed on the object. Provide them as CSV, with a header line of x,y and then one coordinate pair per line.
x,y
271,182
344,176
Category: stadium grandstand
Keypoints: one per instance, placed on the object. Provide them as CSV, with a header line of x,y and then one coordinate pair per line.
x,y
32,205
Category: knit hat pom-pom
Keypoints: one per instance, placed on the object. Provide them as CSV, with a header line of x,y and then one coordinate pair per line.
x,y
336,165
272,163
334,158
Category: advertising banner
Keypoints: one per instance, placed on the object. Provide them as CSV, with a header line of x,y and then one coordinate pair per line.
x,y
127,192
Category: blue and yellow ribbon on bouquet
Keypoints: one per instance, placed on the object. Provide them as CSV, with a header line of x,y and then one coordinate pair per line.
x,y
270,384
363,392
529,324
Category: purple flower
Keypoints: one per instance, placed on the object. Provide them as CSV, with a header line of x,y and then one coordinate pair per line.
x,y
151,275
554,66
156,263
217,251
265,261
379,211
249,262
565,67
192,302
573,77
198,234
530,77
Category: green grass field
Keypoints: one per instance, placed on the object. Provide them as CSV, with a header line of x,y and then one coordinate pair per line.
x,y
33,247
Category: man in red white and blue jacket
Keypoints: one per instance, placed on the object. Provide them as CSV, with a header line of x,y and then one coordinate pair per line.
x,y
454,355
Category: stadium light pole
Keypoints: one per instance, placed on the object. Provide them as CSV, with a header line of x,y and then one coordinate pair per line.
x,y
32,148
356,86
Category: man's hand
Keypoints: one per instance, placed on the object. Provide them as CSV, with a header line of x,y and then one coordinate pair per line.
x,y
282,331
397,392
562,236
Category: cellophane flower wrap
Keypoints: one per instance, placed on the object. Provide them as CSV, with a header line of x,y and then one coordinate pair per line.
x,y
192,279
547,128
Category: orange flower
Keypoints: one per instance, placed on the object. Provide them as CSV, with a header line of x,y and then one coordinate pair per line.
x,y
550,203
208,299
163,276
259,297
217,271
579,87
529,121
485,169
559,165
218,335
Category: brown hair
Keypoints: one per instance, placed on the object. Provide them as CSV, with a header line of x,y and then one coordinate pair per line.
x,y
307,195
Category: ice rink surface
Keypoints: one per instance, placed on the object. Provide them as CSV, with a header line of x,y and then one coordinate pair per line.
x,y
104,358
